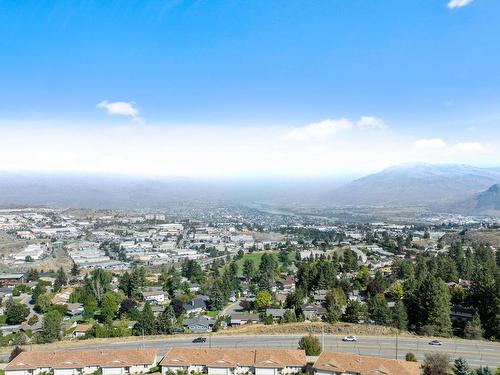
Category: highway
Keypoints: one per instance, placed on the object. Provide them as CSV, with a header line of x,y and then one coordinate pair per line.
x,y
477,353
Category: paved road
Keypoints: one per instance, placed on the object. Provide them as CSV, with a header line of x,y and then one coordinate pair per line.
x,y
477,353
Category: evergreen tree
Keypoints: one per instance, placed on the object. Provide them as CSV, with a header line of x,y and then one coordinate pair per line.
x,y
51,327
435,306
399,316
289,316
378,310
355,312
484,371
61,280
166,321
248,269
75,270
473,328
146,323
461,367
333,311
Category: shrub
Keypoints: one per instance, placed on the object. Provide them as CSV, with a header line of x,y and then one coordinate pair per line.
x,y
310,344
410,357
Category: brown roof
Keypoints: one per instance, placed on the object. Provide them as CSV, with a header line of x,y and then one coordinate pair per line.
x,y
230,358
83,327
339,362
215,357
83,358
278,358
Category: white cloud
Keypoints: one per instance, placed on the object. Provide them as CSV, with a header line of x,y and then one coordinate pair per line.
x,y
439,148
468,147
370,122
458,3
216,151
320,130
126,109
429,144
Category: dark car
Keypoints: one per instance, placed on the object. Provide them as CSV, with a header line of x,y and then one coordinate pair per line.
x,y
200,340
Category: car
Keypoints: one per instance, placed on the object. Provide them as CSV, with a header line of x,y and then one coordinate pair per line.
x,y
200,340
350,338
435,342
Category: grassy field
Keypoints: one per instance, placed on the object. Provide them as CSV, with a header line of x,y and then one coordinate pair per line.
x,y
255,257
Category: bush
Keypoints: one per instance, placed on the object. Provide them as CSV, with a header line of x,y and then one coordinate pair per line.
x,y
310,344
436,363
410,357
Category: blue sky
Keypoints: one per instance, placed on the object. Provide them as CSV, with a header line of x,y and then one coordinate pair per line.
x,y
288,80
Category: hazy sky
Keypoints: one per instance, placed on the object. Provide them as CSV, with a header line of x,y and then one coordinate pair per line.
x,y
232,88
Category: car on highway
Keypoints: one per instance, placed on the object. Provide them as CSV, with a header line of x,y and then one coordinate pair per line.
x,y
435,342
200,340
350,338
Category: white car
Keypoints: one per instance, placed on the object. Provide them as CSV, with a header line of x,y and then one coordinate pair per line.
x,y
350,338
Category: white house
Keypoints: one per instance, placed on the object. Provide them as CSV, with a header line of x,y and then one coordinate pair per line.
x,y
82,362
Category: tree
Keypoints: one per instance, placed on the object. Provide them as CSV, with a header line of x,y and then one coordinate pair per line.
x,y
333,311
109,306
378,310
166,321
75,270
289,316
37,291
15,352
461,367
311,345
51,327
146,323
98,284
43,303
399,316
473,330
484,371
410,357
61,280
217,296
16,312
436,363
248,269
263,299
435,305
355,312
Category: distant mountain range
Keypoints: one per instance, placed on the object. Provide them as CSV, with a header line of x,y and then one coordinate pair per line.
x,y
444,188
438,186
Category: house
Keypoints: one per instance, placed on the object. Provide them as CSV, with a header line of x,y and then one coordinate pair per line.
x,y
198,324
313,312
7,279
320,296
277,314
461,314
197,305
81,330
286,284
228,361
238,319
81,362
330,363
154,295
74,309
